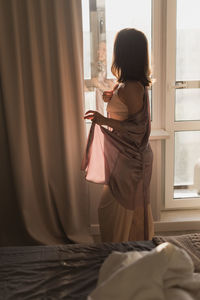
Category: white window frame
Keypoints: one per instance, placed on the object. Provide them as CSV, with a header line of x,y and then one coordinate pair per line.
x,y
157,68
172,126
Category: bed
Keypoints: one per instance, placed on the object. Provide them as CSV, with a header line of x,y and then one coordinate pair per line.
x,y
61,272
56,272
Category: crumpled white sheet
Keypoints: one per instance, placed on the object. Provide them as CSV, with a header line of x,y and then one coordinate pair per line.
x,y
166,272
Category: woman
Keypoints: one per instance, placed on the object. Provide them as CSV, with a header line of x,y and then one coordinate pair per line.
x,y
120,156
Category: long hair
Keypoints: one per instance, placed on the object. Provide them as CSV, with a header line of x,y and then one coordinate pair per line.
x,y
130,57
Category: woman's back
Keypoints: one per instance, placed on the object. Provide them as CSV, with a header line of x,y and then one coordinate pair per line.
x,y
127,100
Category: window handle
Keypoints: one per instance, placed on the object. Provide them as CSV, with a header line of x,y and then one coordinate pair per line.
x,y
180,85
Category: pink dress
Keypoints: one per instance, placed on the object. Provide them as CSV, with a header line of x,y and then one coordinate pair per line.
x,y
122,161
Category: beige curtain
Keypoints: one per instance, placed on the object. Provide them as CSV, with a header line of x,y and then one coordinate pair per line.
x,y
42,191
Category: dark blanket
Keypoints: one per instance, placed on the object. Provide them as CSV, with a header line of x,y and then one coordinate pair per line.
x,y
56,272
189,242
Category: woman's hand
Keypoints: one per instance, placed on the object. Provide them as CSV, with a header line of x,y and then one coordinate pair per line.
x,y
107,95
95,117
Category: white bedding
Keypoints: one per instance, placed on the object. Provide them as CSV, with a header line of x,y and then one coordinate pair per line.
x,y
166,272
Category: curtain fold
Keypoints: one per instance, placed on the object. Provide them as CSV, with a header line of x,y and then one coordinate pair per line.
x,y
45,198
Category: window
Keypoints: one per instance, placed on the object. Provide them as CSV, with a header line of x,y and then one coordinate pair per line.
x,y
173,31
183,104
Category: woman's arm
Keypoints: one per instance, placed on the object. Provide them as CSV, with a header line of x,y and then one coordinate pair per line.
x,y
107,95
99,119
130,94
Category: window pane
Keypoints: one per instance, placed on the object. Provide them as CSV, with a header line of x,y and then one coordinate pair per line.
x,y
187,105
86,39
90,104
187,164
90,100
188,40
123,14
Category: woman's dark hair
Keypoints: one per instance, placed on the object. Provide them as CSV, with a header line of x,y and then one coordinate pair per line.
x,y
130,57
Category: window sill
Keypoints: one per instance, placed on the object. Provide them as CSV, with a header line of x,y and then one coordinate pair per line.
x,y
159,134
178,221
171,223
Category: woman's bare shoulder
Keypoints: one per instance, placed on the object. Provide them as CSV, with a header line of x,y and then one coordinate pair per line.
x,y
131,87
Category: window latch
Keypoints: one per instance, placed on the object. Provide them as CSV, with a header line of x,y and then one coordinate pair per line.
x,y
180,85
